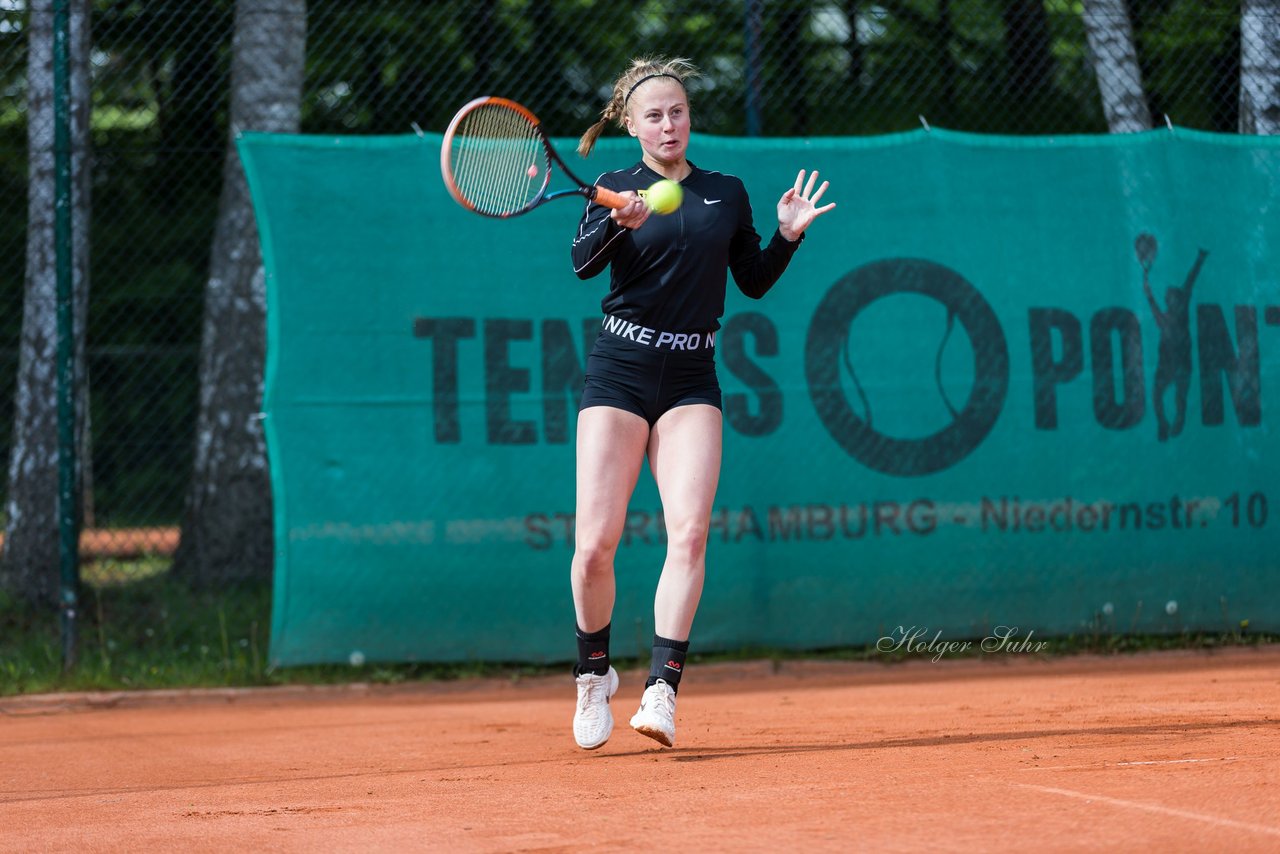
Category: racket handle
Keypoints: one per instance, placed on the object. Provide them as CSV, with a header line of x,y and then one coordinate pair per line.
x,y
608,198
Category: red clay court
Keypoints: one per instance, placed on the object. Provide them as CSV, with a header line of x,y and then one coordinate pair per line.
x,y
1160,752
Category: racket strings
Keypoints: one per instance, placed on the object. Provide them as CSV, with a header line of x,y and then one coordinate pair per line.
x,y
498,161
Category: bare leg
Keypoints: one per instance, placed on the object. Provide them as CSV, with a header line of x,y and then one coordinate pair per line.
x,y
611,448
684,454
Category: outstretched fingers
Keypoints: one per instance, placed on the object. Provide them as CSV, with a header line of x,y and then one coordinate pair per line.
x,y
798,206
818,211
813,177
813,196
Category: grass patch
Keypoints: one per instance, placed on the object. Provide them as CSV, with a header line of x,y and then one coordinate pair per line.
x,y
139,629
142,628
98,574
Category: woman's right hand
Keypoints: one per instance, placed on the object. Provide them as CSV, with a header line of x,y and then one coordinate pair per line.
x,y
634,214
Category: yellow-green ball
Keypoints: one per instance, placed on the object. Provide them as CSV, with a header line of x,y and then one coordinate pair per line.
x,y
664,197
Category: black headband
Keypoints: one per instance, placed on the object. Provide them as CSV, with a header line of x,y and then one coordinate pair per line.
x,y
649,77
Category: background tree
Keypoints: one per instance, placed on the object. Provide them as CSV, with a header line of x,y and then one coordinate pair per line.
x,y
226,532
1260,67
1115,65
30,567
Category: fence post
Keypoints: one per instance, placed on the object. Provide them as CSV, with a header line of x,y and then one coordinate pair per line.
x,y
751,41
68,535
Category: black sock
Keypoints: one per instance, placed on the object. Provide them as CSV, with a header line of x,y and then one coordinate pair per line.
x,y
593,652
668,662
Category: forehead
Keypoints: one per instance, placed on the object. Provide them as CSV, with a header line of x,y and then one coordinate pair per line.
x,y
658,93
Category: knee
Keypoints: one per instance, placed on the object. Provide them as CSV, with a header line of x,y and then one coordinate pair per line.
x,y
687,540
593,558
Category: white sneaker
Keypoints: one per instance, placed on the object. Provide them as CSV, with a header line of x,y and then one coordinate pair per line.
x,y
657,715
593,719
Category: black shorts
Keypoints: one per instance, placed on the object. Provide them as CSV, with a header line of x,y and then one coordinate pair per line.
x,y
646,381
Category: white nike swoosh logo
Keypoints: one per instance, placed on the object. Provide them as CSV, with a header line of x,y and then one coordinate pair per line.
x,y
712,201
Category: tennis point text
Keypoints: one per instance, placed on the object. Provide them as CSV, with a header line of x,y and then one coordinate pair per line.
x,y
916,640
548,375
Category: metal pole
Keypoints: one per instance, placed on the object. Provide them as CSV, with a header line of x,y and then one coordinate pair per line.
x,y
68,535
751,41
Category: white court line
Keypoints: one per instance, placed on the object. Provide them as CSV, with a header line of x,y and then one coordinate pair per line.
x,y
1150,762
1195,816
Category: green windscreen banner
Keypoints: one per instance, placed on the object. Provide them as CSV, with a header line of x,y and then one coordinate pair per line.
x,y
1009,388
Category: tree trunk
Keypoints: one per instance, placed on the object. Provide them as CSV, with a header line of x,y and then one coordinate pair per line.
x,y
226,533
31,566
1115,65
1260,67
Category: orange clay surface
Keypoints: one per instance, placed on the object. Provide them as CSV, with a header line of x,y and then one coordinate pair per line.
x,y
125,542
1154,752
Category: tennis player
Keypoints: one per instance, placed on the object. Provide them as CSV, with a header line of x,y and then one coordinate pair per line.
x,y
651,387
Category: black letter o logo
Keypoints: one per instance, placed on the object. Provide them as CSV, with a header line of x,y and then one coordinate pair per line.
x,y
829,330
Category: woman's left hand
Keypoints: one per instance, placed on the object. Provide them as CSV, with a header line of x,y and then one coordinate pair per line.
x,y
798,206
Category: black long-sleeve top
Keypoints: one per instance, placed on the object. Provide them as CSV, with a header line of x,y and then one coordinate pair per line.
x,y
671,273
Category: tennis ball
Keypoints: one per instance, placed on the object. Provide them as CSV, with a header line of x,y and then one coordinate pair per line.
x,y
664,197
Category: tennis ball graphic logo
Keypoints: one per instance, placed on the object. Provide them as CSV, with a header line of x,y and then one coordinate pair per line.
x,y
664,197
957,423
906,368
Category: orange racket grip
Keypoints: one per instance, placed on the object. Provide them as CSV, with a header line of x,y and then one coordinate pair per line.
x,y
609,198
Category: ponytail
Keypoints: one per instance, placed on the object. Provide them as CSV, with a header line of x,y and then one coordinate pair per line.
x,y
588,140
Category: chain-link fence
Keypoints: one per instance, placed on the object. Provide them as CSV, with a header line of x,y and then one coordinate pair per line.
x,y
154,85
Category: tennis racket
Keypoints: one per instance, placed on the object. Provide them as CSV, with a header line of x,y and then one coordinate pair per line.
x,y
497,161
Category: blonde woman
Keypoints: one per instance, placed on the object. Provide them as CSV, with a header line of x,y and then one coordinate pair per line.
x,y
651,388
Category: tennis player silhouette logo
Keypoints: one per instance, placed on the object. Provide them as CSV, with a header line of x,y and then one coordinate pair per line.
x,y
1173,366
877,431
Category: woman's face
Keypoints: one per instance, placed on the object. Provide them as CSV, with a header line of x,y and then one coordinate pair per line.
x,y
658,116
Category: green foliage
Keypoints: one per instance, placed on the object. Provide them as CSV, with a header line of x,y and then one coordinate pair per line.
x,y
1189,54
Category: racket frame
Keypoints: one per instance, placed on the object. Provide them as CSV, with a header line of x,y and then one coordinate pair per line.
x,y
591,192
